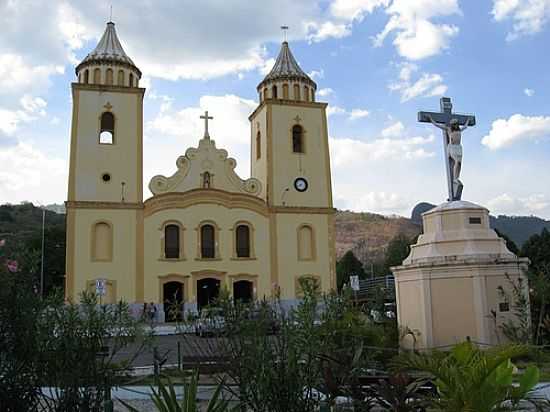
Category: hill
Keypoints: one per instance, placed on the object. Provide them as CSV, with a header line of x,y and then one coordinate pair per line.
x,y
368,234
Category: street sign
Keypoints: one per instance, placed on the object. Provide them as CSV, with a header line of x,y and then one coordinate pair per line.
x,y
100,287
354,282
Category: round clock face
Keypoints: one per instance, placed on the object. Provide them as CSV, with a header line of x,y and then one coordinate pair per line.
x,y
300,184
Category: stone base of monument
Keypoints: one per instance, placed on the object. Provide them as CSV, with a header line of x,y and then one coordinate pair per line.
x,y
447,289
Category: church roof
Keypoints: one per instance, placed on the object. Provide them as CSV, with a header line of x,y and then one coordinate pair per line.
x,y
286,68
109,50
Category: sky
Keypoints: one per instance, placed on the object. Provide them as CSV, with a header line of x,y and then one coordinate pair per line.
x,y
376,63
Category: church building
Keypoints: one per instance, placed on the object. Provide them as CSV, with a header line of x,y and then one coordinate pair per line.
x,y
204,228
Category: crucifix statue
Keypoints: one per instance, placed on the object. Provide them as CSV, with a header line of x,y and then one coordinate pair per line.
x,y
206,118
452,125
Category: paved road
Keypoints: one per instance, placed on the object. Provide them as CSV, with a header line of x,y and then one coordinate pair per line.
x,y
167,346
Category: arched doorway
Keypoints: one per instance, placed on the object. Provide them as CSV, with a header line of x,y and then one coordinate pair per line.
x,y
208,290
172,297
243,291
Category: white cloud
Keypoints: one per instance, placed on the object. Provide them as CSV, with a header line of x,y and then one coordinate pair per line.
x,y
29,174
31,108
517,128
394,130
17,75
232,41
378,202
318,32
325,92
358,114
33,105
427,85
528,16
510,205
529,92
334,110
417,37
347,152
355,9
317,74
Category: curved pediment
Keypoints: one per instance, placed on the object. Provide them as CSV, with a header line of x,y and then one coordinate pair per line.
x,y
205,167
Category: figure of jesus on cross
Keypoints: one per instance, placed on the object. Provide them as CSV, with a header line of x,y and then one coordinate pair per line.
x,y
452,125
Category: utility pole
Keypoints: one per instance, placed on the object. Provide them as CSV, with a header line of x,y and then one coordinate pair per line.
x,y
43,249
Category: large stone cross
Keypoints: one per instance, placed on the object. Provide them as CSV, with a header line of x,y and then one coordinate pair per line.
x,y
452,125
206,118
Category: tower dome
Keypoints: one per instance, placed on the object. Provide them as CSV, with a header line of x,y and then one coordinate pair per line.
x,y
287,80
108,64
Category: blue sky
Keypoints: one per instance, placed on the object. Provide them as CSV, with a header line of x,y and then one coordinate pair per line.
x,y
376,62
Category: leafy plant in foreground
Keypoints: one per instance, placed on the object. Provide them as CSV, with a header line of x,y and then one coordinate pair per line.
x,y
470,379
166,400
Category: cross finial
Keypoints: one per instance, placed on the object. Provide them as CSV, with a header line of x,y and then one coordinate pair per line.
x,y
111,13
206,118
284,29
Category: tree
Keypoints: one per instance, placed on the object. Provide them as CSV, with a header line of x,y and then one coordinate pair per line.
x,y
346,266
537,249
397,251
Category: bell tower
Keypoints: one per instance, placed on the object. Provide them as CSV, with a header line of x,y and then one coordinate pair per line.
x,y
290,156
105,192
290,152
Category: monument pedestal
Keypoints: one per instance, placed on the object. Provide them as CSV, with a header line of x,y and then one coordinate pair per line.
x,y
447,289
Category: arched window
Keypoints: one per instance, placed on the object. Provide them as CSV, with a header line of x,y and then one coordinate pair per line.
x,y
107,131
102,242
120,79
306,93
285,91
296,92
258,145
86,76
274,92
172,242
312,95
208,241
109,77
131,80
265,93
242,236
97,76
306,244
297,139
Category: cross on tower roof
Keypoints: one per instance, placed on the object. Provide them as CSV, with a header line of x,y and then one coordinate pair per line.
x,y
206,118
284,29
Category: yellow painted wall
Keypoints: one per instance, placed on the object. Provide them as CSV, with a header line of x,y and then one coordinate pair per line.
x,y
289,266
190,218
313,164
122,268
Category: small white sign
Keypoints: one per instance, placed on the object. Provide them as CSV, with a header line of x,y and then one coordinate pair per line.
x,y
354,282
100,287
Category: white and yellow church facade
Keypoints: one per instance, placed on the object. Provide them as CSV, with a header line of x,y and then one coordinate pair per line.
x,y
205,228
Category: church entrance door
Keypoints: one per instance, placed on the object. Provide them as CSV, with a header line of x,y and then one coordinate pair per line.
x,y
243,291
172,297
208,290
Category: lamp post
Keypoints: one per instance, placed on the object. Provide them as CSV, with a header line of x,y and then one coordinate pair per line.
x,y
43,249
